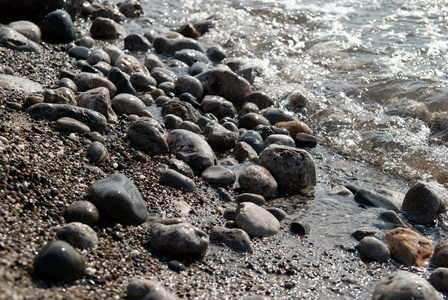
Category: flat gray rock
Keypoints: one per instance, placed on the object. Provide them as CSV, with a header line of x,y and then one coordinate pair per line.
x,y
179,239
374,249
234,238
15,83
403,285
256,221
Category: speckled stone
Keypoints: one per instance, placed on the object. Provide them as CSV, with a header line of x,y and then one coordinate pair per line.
x,y
79,235
98,153
179,239
257,179
67,124
148,133
256,221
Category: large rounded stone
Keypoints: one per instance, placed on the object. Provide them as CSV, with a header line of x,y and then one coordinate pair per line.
x,y
424,202
258,180
275,115
148,134
254,139
15,83
66,124
219,175
181,109
439,279
118,198
104,28
292,168
98,100
191,148
60,95
225,83
294,127
440,256
279,139
179,239
234,238
403,285
57,27
59,261
136,42
243,151
256,221
261,99
409,247
220,137
53,112
371,198
129,64
252,120
131,9
10,38
218,106
28,29
88,81
189,84
127,104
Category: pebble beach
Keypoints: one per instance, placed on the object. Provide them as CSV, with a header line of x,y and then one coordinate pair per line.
x,y
148,166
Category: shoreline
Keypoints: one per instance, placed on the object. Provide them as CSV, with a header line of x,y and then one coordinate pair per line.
x,y
283,266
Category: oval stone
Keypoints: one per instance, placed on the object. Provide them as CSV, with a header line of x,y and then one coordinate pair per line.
x,y
148,133
258,180
256,221
59,261
118,198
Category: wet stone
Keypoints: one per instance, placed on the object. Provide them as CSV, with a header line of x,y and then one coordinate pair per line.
x,y
190,56
148,134
88,81
176,266
153,61
67,124
439,279
225,83
177,180
67,83
393,220
371,198
136,42
10,38
279,139
362,233
292,168
218,106
256,221
236,239
127,104
170,46
122,81
131,9
424,202
219,175
82,211
191,148
172,121
294,127
219,137
79,52
275,115
139,289
98,55
190,126
78,235
28,29
188,30
118,198
402,285
243,151
57,27
59,261
162,75
181,109
98,100
179,239
374,249
189,84
142,81
305,140
198,68
216,53
409,247
261,99
98,153
440,256
254,139
60,95
278,213
104,28
257,179
180,167
249,197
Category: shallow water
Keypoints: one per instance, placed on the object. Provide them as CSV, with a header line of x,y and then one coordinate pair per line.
x,y
374,75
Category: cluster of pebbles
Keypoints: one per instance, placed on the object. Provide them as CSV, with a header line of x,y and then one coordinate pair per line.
x,y
120,164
